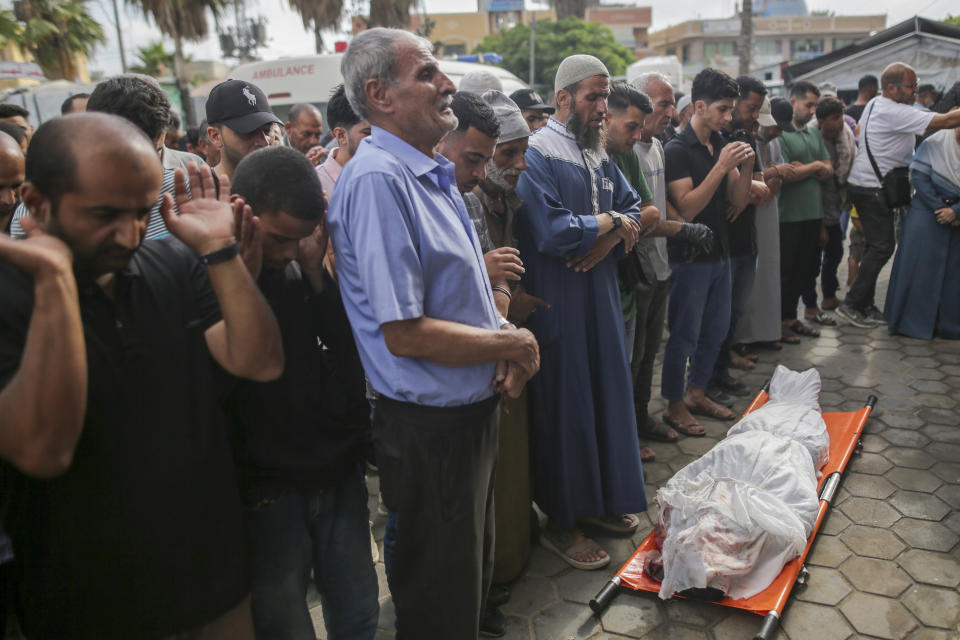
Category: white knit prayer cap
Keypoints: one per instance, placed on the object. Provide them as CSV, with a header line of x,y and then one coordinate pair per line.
x,y
578,67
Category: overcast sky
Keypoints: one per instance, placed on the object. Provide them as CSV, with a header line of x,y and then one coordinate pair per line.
x,y
288,37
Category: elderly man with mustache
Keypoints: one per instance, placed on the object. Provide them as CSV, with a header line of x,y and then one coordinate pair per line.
x,y
579,216
415,288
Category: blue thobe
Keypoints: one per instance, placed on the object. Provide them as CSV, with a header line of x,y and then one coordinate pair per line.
x,y
583,429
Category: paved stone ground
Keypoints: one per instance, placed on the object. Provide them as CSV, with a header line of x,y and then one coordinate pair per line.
x,y
886,563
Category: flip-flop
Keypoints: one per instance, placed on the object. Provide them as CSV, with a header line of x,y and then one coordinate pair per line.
x,y
802,330
647,454
658,431
790,339
625,525
740,362
698,410
822,318
565,544
685,429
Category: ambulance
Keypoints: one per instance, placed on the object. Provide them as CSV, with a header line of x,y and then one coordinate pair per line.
x,y
289,81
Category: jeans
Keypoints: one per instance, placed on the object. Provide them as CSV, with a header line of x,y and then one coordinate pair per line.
x,y
651,314
328,533
743,272
698,315
799,263
879,238
832,255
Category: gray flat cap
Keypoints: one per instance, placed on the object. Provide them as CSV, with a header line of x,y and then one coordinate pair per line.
x,y
578,67
479,81
512,124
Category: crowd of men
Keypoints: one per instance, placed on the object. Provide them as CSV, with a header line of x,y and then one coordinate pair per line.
x,y
202,350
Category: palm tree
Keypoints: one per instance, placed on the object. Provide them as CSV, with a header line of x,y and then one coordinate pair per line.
x,y
181,20
155,60
318,15
10,29
55,32
390,13
746,37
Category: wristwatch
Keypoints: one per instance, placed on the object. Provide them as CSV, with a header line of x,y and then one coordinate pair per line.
x,y
617,219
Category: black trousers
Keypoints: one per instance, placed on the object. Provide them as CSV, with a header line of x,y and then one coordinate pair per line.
x,y
880,240
437,472
832,255
799,263
651,315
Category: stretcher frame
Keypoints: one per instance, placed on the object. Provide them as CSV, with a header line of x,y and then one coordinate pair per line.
x,y
845,429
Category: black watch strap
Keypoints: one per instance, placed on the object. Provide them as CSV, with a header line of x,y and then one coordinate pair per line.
x,y
221,255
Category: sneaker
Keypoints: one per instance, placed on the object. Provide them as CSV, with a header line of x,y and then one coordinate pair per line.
x,y
875,314
856,317
731,385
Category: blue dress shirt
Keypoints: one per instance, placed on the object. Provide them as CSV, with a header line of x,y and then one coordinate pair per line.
x,y
405,249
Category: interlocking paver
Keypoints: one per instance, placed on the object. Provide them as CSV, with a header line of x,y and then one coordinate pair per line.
x,y
947,471
876,616
914,479
933,606
565,620
939,416
906,437
834,523
924,534
530,596
808,621
941,432
872,542
867,486
633,616
695,613
581,586
916,504
868,511
946,451
901,420
950,494
828,551
673,631
826,586
873,463
739,625
938,569
913,458
872,575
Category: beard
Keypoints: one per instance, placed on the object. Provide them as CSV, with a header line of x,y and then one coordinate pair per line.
x,y
502,179
587,137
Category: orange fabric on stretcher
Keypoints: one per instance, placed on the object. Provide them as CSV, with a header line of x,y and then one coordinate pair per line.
x,y
845,430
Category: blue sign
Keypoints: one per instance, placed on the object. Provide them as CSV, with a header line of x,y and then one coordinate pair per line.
x,y
491,6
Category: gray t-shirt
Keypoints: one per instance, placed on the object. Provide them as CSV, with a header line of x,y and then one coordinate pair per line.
x,y
653,251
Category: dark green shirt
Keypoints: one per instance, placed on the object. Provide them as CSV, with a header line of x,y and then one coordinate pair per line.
x,y
802,200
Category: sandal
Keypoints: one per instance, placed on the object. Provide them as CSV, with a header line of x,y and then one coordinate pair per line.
x,y
823,319
686,429
802,330
743,351
647,454
790,339
625,525
658,431
709,411
569,542
772,345
737,361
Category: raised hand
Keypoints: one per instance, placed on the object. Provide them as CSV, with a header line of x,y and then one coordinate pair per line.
x,y
316,154
205,223
733,155
249,233
311,252
504,264
39,255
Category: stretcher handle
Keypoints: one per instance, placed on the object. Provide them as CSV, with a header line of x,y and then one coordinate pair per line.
x,y
871,402
769,627
609,591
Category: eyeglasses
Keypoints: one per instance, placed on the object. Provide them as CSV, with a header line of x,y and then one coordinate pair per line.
x,y
915,85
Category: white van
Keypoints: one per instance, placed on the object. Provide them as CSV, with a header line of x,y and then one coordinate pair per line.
x,y
289,81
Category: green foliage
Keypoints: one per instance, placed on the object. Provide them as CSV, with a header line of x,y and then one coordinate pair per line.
x,y
54,32
154,60
954,20
10,29
554,42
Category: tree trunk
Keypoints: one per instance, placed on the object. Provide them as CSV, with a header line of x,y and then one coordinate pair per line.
x,y
567,8
746,37
317,38
179,69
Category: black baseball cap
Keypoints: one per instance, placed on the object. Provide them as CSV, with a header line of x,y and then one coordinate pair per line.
x,y
239,105
529,99
782,112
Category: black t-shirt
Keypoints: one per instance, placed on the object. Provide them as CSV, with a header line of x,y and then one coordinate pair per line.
x,y
855,111
742,232
686,157
142,536
305,431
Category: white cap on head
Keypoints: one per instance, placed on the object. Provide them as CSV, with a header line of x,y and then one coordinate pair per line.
x,y
828,89
512,124
766,114
578,67
684,103
479,81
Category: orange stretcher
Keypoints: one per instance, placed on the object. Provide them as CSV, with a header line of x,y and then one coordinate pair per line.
x,y
845,430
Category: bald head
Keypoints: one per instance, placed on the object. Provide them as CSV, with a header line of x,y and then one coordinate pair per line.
x,y
61,145
899,82
11,177
9,148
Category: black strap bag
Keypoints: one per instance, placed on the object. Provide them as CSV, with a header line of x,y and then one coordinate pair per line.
x,y
895,186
